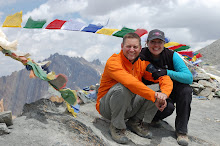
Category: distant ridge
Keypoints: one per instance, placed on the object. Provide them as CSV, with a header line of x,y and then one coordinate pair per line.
x,y
18,89
211,53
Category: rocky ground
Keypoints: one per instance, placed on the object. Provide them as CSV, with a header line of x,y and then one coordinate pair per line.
x,y
48,124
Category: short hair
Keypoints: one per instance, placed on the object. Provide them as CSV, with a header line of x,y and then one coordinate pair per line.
x,y
131,35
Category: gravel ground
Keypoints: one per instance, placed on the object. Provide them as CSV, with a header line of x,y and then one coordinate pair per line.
x,y
47,124
204,126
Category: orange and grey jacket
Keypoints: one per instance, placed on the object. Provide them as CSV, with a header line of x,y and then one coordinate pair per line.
x,y
119,69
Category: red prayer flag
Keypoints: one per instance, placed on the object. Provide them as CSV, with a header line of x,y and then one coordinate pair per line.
x,y
176,47
187,53
141,32
56,24
198,55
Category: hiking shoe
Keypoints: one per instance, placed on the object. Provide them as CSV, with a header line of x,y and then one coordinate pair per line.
x,y
155,124
139,128
182,139
118,135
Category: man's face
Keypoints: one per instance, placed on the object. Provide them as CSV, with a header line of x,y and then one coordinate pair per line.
x,y
131,49
155,47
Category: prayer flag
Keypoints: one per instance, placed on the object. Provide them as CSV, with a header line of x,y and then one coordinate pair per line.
x,y
34,24
13,20
56,24
107,31
68,96
123,32
73,25
182,48
92,28
141,32
167,40
171,44
176,47
193,59
187,53
198,55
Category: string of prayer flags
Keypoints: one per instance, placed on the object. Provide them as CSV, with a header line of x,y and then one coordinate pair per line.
x,y
40,70
72,25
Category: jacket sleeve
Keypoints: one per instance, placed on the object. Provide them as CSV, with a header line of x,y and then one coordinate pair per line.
x,y
165,82
118,73
181,73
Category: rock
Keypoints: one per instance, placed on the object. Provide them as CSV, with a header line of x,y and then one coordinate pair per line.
x,y
6,117
196,91
210,96
217,93
83,97
201,76
206,92
206,83
4,129
197,85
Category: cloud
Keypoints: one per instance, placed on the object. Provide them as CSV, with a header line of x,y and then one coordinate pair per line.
x,y
199,17
100,7
54,8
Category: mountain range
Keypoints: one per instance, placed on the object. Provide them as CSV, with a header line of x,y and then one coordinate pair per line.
x,y
18,89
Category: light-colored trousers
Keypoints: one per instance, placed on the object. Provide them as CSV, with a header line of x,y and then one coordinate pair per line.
x,y
120,104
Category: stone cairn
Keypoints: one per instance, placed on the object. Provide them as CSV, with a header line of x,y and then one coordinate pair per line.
x,y
205,85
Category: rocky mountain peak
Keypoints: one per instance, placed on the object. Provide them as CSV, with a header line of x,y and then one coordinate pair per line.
x,y
18,89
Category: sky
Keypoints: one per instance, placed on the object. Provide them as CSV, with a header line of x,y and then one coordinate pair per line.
x,y
194,23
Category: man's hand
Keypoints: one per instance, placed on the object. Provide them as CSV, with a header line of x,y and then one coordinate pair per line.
x,y
160,107
160,96
158,73
160,100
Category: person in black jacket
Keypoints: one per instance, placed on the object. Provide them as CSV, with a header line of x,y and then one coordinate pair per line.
x,y
167,62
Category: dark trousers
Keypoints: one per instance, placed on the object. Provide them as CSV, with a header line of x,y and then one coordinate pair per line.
x,y
182,96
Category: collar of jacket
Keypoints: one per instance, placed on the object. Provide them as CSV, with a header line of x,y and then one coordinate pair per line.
x,y
125,59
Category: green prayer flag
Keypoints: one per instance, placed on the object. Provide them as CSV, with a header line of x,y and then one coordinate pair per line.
x,y
4,51
38,71
68,96
34,24
123,32
182,48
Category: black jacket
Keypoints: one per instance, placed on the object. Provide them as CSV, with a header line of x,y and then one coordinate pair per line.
x,y
165,60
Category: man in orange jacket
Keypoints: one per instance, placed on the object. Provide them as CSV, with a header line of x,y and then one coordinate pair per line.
x,y
122,95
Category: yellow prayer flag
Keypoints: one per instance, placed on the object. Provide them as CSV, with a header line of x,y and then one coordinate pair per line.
x,y
71,110
107,31
13,20
171,44
194,59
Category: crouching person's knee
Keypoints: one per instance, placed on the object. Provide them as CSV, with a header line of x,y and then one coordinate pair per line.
x,y
169,109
